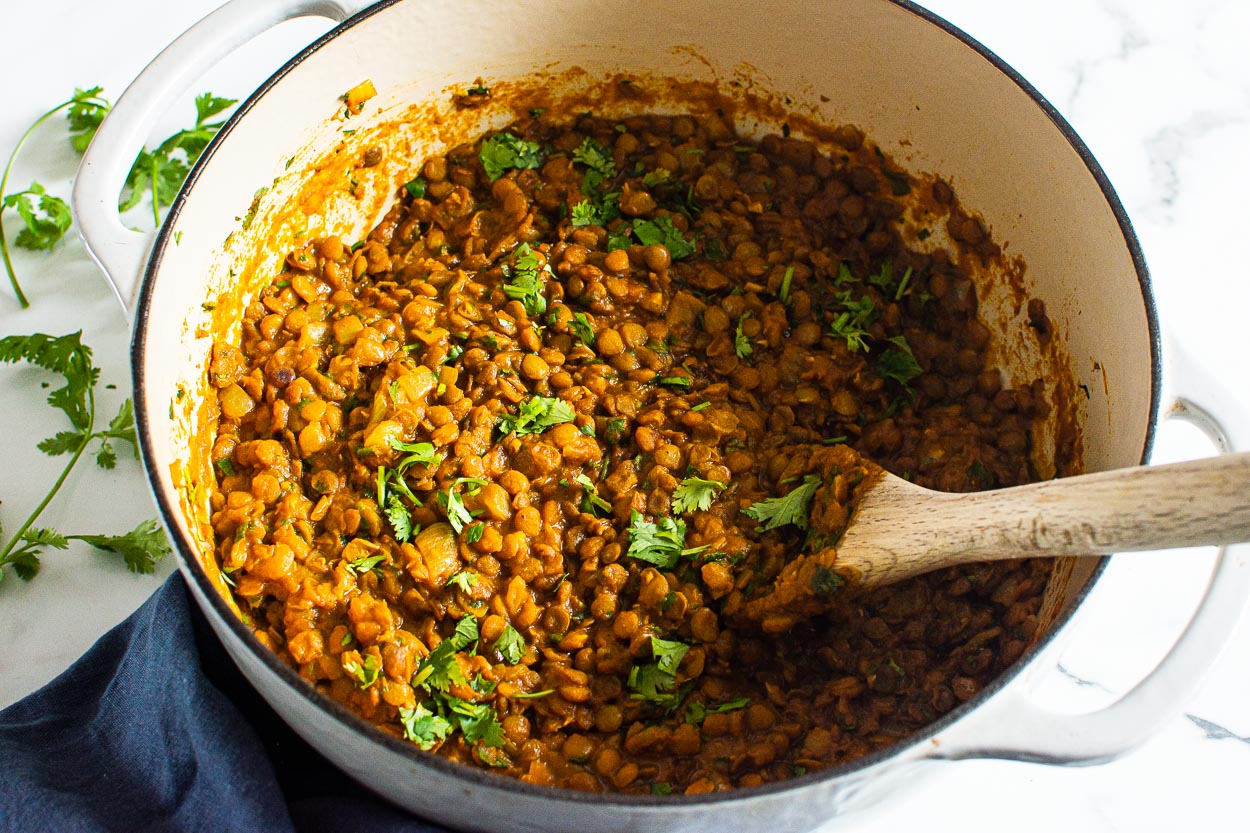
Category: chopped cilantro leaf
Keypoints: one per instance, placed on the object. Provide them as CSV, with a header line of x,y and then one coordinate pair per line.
x,y
598,161
662,231
696,711
845,327
537,414
365,672
528,281
668,654
592,504
457,515
899,184
660,543
419,454
582,328
825,581
791,508
503,152
853,322
438,671
415,187
585,214
616,429
695,493
655,682
424,728
466,580
400,518
899,362
676,381
466,632
884,278
713,249
620,239
657,177
366,563
511,645
742,344
479,722
648,682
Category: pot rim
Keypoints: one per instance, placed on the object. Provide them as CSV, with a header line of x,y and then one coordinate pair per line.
x,y
332,708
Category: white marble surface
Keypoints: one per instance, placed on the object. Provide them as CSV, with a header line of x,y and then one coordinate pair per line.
x,y
1160,90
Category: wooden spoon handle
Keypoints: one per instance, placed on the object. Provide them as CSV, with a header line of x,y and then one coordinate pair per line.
x,y
1195,503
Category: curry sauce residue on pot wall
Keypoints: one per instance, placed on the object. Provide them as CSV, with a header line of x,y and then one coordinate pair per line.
x,y
501,475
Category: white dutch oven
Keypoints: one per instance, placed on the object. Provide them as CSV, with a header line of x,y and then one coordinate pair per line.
x,y
943,104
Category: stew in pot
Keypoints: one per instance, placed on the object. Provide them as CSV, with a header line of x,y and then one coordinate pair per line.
x,y
505,477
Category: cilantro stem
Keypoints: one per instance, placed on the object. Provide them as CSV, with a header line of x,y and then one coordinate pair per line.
x,y
4,187
156,206
87,436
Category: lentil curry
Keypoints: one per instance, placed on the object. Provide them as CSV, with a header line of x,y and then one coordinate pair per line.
x,y
513,476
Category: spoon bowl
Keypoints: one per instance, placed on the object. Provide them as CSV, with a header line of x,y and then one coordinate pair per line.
x,y
898,530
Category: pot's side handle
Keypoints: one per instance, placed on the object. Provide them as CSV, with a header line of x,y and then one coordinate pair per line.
x,y
119,251
1012,726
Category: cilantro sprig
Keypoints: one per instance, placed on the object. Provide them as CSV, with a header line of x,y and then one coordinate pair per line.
x,y
161,171
45,217
392,487
791,508
70,359
436,674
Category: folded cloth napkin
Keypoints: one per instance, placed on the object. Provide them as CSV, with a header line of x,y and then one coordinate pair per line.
x,y
154,729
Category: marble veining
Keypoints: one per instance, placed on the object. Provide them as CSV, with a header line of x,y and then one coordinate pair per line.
x,y
1214,731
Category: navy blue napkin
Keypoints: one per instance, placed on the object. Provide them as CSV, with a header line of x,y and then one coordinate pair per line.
x,y
154,729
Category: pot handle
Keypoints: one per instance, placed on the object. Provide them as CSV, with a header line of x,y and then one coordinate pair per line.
x,y
119,251
1012,726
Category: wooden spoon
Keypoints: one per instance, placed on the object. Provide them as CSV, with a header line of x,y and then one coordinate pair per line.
x,y
898,529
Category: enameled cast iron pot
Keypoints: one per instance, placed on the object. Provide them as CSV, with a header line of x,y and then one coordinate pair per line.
x,y
929,94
